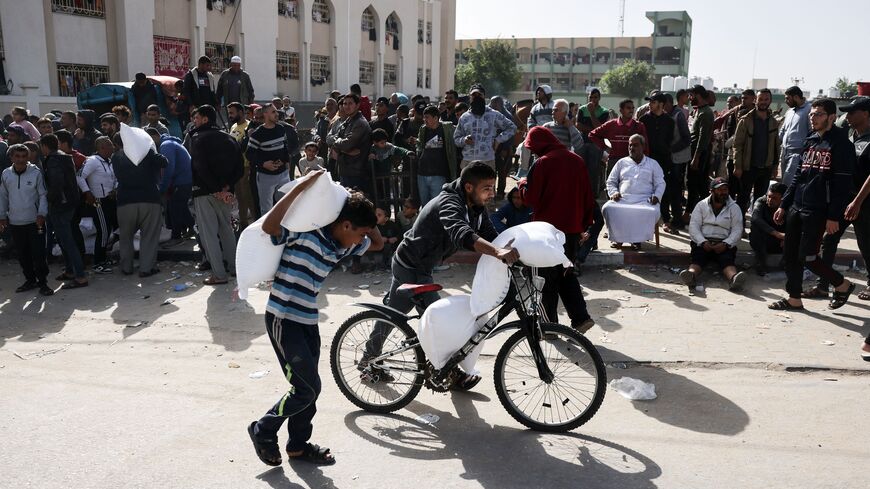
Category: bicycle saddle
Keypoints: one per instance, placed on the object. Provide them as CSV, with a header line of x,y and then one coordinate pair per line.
x,y
412,290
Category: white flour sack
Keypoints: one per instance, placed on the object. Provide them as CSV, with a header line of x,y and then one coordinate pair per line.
x,y
445,327
539,244
316,207
257,258
490,285
136,142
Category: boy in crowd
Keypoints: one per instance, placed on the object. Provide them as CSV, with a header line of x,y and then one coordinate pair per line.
x,y
291,317
410,211
391,232
310,161
23,207
383,155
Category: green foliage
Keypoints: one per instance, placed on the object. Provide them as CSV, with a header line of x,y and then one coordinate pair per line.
x,y
632,79
494,65
846,88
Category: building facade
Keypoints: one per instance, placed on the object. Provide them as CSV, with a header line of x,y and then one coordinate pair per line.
x,y
51,49
571,65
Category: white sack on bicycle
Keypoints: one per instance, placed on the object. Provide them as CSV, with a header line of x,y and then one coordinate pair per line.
x,y
490,285
539,243
445,327
318,206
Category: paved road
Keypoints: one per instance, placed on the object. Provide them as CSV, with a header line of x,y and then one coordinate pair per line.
x,y
106,387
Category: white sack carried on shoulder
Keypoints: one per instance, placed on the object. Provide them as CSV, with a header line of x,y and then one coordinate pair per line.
x,y
539,243
319,205
490,285
136,142
257,259
445,327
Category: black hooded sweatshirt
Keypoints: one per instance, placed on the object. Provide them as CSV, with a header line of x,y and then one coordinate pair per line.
x,y
446,224
215,158
823,183
85,145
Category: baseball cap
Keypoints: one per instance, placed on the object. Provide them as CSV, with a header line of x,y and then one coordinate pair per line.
x,y
311,143
477,87
718,182
236,59
420,106
860,102
383,100
656,96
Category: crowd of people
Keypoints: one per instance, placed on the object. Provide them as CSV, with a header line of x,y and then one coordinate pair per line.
x,y
425,176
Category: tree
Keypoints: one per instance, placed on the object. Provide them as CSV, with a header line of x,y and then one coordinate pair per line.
x,y
846,88
632,79
493,64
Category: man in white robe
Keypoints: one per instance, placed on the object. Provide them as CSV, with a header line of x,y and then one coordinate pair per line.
x,y
635,187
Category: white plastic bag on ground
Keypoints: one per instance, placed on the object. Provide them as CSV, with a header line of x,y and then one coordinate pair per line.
x,y
318,206
490,285
539,243
137,143
445,327
634,389
257,259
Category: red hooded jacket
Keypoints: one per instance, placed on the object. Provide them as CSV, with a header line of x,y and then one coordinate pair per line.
x,y
557,188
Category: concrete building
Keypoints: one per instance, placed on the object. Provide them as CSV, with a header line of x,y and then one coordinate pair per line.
x,y
51,49
570,65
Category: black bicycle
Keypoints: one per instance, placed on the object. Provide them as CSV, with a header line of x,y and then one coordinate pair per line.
x,y
549,377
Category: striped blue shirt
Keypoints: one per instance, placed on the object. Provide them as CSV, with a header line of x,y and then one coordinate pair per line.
x,y
306,261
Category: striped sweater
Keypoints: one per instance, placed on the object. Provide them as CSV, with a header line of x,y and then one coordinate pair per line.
x,y
268,144
567,135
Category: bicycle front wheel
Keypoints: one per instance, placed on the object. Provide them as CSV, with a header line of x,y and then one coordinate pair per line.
x,y
574,395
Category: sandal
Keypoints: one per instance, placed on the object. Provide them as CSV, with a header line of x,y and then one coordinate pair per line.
x,y
838,299
314,454
466,382
784,305
815,293
864,295
267,450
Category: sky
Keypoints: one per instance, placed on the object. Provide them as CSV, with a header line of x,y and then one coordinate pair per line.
x,y
781,40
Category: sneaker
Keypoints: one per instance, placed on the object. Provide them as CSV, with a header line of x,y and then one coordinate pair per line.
x,y
585,326
29,285
45,290
737,281
102,269
687,277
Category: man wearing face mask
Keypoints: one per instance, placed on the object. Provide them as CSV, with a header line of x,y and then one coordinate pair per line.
x,y
481,130
716,227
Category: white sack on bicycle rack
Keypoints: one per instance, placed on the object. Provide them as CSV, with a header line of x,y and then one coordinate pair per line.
x,y
445,327
539,243
490,286
318,206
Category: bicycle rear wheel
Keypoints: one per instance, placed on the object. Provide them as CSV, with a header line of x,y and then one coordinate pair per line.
x,y
574,395
381,386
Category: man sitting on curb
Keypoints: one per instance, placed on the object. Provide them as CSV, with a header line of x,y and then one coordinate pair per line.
x,y
715,227
765,235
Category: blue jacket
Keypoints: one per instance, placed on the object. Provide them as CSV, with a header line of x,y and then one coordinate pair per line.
x,y
177,170
508,216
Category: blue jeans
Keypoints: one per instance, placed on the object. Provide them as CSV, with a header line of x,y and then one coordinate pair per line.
x,y
429,187
61,224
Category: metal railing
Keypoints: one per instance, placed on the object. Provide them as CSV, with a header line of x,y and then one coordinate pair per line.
x,y
74,78
87,8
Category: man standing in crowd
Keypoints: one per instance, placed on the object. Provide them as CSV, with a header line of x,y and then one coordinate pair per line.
x,y
267,150
364,105
144,95
715,228
68,121
660,130
617,131
702,135
199,85
234,85
730,120
152,119
216,161
352,142
756,145
175,186
85,133
563,128
436,155
766,237
409,128
591,114
858,211
123,114
793,132
249,207
542,111
23,207
451,98
63,199
559,193
109,125
99,176
635,187
814,204
481,130
382,120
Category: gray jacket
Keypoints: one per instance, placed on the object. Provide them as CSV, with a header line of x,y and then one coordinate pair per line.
x,y
354,136
483,129
22,195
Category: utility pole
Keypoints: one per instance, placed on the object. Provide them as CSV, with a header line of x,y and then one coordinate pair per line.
x,y
621,17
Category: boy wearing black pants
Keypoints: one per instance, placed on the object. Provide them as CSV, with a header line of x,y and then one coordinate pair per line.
x,y
23,207
291,317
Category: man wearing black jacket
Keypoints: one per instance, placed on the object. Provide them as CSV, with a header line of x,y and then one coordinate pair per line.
x,y
352,142
63,199
660,135
216,161
814,204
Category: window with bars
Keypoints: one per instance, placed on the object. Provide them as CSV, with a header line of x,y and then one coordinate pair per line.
x,y
366,72
390,74
419,77
419,31
220,55
368,20
87,8
428,78
288,8
288,65
320,12
320,69
73,78
428,33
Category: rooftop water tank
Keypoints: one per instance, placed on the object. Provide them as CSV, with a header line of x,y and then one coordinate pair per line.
x,y
667,84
